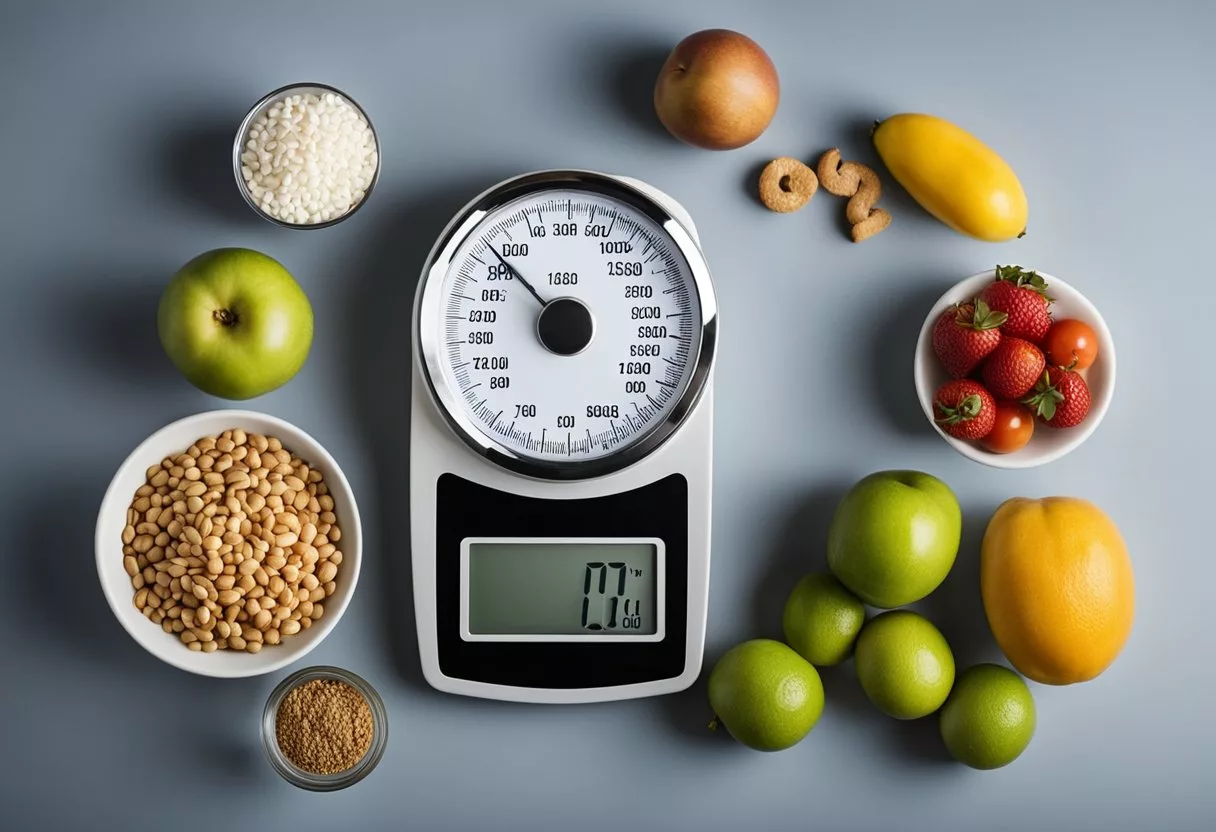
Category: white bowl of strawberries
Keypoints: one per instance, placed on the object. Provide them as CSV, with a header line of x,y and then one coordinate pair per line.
x,y
1014,368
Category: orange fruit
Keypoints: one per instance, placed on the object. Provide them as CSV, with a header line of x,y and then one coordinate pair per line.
x,y
1057,586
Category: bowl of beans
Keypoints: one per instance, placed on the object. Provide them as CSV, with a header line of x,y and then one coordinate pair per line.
x,y
306,156
229,543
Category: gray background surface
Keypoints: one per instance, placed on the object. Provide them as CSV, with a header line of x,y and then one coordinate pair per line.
x,y
115,127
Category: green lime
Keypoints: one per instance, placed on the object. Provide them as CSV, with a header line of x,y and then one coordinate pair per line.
x,y
822,619
904,664
766,695
989,718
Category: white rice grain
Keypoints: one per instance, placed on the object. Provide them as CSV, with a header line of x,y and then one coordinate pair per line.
x,y
309,159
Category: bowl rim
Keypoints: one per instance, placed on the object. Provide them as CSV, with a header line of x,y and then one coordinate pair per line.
x,y
145,636
1015,460
238,145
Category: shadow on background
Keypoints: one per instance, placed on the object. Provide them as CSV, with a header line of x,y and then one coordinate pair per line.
x,y
842,693
379,327
233,757
113,331
918,740
688,714
197,163
888,361
751,184
627,82
956,606
801,547
59,574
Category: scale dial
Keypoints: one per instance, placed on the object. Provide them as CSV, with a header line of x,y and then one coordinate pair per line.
x,y
566,324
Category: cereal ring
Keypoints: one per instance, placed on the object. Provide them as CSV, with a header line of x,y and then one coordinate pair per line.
x,y
838,179
787,185
871,225
868,192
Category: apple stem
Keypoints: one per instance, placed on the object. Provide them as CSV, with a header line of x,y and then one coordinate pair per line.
x,y
225,317
713,723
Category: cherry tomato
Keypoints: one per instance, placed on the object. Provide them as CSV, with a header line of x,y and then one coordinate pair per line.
x,y
1071,340
1013,429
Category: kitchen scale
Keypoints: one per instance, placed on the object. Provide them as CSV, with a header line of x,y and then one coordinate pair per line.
x,y
560,448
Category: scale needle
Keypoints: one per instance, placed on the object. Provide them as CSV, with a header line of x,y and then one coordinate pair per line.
x,y
517,275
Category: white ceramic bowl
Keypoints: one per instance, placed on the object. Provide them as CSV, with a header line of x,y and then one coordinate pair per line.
x,y
1047,444
175,438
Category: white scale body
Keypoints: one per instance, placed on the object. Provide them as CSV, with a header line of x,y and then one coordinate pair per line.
x,y
473,491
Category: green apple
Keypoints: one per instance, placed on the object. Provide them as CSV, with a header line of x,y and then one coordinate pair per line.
x,y
235,323
894,537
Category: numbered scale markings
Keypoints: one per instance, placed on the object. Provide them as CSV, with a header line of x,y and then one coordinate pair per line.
x,y
571,325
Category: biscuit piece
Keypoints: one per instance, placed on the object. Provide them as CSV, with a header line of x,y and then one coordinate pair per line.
x,y
863,188
838,179
871,225
868,192
787,185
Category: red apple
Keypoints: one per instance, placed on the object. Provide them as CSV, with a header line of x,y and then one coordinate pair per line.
x,y
717,90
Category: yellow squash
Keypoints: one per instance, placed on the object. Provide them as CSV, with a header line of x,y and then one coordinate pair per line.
x,y
953,175
1057,586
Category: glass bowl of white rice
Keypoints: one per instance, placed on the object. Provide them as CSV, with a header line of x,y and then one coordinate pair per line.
x,y
306,156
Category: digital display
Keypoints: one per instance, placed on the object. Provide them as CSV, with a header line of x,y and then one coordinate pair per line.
x,y
554,588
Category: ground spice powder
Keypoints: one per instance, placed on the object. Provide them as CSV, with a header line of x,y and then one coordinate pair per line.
x,y
324,726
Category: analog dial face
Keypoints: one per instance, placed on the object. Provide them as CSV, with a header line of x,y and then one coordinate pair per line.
x,y
570,327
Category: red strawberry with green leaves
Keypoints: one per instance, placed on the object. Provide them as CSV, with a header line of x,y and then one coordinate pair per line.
x,y
964,409
1022,296
1060,398
965,334
1013,368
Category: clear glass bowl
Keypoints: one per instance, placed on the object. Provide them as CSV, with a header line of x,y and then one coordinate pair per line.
x,y
264,104
324,782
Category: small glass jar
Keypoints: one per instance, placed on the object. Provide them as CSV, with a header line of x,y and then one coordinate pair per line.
x,y
324,782
263,106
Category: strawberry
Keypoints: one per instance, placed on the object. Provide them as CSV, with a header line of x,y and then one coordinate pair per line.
x,y
1060,398
1013,368
964,409
965,334
1022,296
